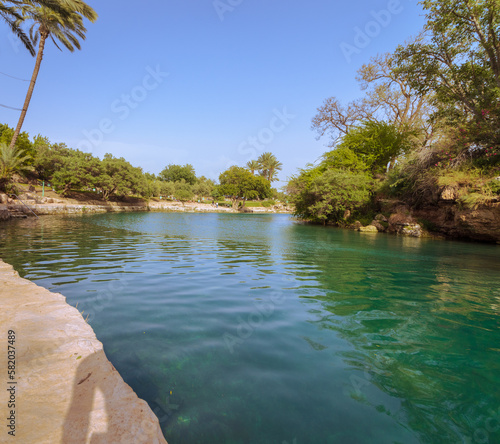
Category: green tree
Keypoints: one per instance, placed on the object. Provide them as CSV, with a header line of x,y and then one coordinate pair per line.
x,y
167,188
239,185
150,186
458,60
253,166
378,144
23,141
12,160
118,177
204,187
183,191
49,158
64,24
176,173
326,198
389,96
9,12
269,166
75,170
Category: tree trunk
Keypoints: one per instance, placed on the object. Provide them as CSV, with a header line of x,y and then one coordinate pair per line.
x,y
39,57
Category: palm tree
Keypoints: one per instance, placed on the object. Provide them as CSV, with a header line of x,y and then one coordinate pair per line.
x,y
13,18
269,166
61,20
12,159
252,165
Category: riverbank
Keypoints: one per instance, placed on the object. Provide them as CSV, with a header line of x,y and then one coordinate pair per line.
x,y
31,204
62,388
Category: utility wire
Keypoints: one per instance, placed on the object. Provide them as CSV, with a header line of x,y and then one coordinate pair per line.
x,y
12,77
10,107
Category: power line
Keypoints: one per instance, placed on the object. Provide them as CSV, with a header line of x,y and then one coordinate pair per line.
x,y
12,77
10,107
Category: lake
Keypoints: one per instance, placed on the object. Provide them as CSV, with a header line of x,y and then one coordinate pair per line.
x,y
258,329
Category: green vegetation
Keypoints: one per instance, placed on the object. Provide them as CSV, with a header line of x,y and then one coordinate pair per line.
x,y
240,185
61,21
267,166
427,128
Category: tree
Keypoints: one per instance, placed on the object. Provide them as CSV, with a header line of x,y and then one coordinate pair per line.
x,y
12,160
23,141
269,166
326,198
239,185
117,177
204,187
176,173
458,60
64,23
390,96
74,170
253,166
378,144
11,16
183,191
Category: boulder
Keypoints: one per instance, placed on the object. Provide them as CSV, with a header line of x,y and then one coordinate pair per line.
x,y
378,226
402,222
369,229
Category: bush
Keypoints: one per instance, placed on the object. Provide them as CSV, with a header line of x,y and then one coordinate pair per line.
x,y
327,197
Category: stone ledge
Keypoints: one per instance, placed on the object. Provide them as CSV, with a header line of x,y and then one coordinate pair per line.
x,y
67,391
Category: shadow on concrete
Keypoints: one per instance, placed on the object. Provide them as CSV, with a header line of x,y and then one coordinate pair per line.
x,y
90,378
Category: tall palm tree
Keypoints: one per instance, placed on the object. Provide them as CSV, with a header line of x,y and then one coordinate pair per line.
x,y
252,165
269,166
61,20
11,14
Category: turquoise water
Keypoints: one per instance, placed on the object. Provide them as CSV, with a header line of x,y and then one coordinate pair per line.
x,y
257,329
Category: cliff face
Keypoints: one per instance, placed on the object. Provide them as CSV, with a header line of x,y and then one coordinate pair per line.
x,y
448,218
62,387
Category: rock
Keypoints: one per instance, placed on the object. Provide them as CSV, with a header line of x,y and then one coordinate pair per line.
x,y
347,214
3,198
378,226
356,225
482,223
64,376
368,229
245,210
402,222
380,218
449,194
414,230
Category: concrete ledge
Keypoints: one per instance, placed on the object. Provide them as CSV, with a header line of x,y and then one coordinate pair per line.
x,y
64,390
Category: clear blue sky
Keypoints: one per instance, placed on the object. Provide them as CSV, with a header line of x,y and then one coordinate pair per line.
x,y
211,83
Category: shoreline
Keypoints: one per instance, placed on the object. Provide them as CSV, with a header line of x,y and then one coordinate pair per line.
x,y
62,388
6,210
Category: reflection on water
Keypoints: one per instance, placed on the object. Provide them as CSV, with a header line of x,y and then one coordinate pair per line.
x,y
255,329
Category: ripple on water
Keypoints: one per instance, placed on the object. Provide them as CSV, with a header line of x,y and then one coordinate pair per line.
x,y
246,328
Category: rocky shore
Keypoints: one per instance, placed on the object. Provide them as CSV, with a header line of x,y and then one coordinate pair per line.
x,y
61,386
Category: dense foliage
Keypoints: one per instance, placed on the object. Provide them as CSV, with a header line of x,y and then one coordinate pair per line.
x,y
429,121
240,185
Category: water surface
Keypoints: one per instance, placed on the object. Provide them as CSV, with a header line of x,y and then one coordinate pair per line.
x,y
256,329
